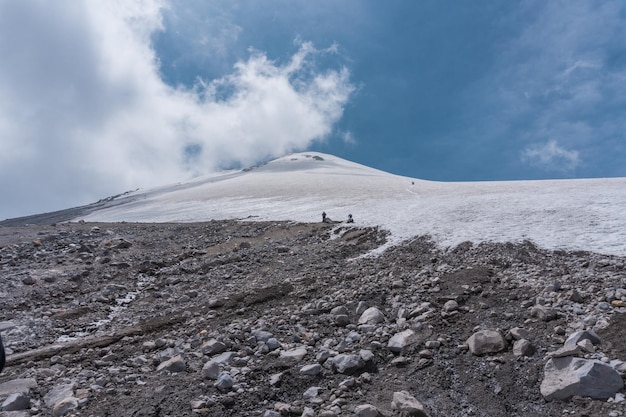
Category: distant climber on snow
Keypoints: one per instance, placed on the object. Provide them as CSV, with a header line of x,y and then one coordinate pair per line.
x,y
323,217
350,219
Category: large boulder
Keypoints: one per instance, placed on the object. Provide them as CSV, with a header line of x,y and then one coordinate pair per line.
x,y
570,376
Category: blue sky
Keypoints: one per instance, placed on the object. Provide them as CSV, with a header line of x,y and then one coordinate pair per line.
x,y
99,98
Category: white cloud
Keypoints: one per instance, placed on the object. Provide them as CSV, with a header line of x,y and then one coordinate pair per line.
x,y
551,156
84,113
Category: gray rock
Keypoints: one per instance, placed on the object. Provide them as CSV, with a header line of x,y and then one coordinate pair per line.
x,y
311,392
213,347
347,364
366,410
16,401
296,354
224,381
342,320
61,399
401,340
276,379
523,347
570,376
58,393
372,316
406,403
14,386
65,406
543,313
339,311
174,365
486,341
366,355
574,338
565,351
518,333
311,370
272,343
210,370
262,335
450,305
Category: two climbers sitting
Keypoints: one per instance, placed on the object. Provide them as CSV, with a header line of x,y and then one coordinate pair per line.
x,y
326,219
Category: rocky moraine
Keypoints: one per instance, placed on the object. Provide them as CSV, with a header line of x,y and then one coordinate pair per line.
x,y
229,318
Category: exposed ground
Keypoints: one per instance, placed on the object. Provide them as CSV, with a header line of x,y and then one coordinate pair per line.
x,y
99,307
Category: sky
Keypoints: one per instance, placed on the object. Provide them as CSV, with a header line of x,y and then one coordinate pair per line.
x,y
98,98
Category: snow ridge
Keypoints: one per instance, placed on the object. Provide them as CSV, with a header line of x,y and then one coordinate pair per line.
x,y
581,214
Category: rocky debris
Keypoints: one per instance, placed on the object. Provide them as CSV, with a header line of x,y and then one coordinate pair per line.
x,y
281,318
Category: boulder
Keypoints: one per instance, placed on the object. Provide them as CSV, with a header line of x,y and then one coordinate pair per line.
x,y
366,410
570,376
407,404
486,341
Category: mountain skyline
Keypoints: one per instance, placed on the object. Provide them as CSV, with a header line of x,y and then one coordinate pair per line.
x,y
555,214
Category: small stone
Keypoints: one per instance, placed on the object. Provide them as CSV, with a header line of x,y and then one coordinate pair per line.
x,y
213,347
586,346
311,370
573,340
174,365
296,354
450,305
224,381
372,316
210,370
342,320
523,347
519,333
347,364
401,340
311,392
276,379
544,313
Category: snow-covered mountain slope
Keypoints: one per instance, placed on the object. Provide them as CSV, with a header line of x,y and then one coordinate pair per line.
x,y
588,214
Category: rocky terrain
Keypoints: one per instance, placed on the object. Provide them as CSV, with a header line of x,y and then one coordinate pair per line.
x,y
230,318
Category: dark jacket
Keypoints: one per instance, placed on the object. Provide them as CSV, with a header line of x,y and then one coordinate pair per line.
x,y
2,355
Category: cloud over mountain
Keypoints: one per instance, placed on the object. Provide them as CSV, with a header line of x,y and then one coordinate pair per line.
x,y
84,106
